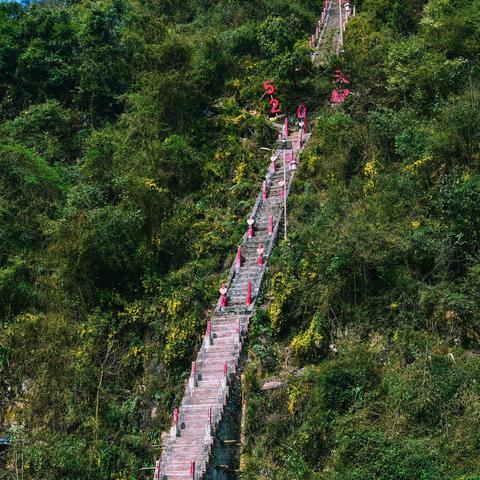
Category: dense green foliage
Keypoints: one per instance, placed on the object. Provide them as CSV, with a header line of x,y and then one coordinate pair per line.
x,y
129,157
377,291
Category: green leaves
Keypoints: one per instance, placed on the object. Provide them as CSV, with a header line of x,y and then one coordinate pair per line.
x,y
276,35
376,290
48,128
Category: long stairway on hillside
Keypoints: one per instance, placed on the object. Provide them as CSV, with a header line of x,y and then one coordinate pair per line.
x,y
187,451
330,40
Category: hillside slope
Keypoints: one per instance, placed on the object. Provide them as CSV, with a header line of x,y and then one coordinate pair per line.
x,y
129,157
129,160
371,321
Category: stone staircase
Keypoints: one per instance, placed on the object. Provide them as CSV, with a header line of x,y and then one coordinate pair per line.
x,y
188,449
328,41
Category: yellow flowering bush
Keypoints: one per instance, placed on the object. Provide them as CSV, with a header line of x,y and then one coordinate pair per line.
x,y
370,170
239,172
281,289
415,224
296,392
305,271
136,354
132,312
150,184
179,339
305,342
235,83
417,165
173,306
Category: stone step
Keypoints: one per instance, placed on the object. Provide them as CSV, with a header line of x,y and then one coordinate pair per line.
x,y
199,407
231,347
227,319
231,331
228,331
219,328
240,293
271,207
178,476
214,362
243,283
179,447
197,399
193,429
263,222
216,347
185,453
241,289
220,337
223,340
197,410
246,270
260,233
212,383
177,469
240,301
234,308
250,250
184,457
246,273
191,423
240,296
212,353
214,369
215,365
263,225
195,420
196,435
205,389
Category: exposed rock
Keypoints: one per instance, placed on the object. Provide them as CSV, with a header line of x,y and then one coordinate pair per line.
x,y
272,384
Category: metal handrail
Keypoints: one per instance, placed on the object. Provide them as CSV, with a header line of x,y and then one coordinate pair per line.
x,y
322,31
259,202
232,270
273,238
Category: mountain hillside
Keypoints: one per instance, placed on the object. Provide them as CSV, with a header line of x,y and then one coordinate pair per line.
x,y
371,320
130,156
